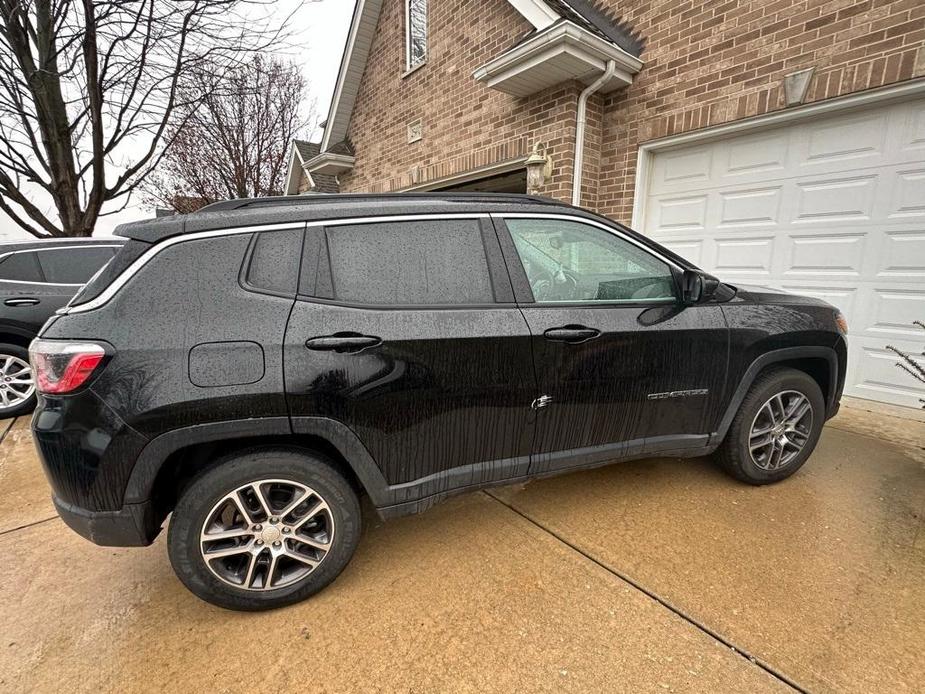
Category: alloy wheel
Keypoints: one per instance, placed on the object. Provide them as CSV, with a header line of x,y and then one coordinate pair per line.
x,y
780,430
267,534
17,383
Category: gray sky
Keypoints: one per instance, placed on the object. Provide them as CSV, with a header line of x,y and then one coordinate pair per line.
x,y
319,33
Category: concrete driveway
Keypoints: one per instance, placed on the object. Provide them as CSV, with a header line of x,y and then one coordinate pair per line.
x,y
650,576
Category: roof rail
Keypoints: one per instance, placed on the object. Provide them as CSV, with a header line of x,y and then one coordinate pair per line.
x,y
327,198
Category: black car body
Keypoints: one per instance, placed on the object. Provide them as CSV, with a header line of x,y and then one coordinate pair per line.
x,y
36,279
420,345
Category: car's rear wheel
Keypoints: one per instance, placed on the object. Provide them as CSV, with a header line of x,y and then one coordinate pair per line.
x,y
263,529
17,383
776,428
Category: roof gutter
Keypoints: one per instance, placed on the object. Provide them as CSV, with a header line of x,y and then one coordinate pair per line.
x,y
577,176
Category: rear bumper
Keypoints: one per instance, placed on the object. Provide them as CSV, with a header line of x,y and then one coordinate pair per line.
x,y
134,525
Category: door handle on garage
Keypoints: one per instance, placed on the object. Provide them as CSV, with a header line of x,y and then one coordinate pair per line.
x,y
344,343
573,334
22,301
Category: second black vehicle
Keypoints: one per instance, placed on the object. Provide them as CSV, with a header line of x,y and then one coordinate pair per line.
x,y
254,368
36,279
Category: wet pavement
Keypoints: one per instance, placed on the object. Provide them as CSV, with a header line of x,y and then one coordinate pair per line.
x,y
649,576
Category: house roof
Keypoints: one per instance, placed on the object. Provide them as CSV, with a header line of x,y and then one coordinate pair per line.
x,y
540,13
585,14
303,152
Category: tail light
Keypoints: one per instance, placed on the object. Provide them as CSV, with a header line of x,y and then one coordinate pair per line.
x,y
63,366
841,322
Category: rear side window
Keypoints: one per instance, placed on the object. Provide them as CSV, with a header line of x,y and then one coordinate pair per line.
x,y
20,267
274,262
73,265
410,263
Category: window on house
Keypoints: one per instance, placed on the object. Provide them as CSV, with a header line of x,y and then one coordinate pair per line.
x,y
416,32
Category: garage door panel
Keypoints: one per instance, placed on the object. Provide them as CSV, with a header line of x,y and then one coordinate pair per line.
x,y
893,310
672,214
750,208
744,256
832,207
908,194
850,141
873,373
902,254
835,200
826,254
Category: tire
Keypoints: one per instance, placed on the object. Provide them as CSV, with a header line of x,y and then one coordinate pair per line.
x,y
9,353
209,498
735,454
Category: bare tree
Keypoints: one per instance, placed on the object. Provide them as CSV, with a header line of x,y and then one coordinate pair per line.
x,y
88,93
235,142
910,364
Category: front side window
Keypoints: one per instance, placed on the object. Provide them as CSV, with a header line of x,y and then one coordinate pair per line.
x,y
573,262
439,262
416,32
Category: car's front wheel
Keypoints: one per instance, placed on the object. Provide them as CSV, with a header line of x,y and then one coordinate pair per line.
x,y
263,529
776,428
17,383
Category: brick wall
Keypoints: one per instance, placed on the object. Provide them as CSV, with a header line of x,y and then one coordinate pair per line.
x,y
706,62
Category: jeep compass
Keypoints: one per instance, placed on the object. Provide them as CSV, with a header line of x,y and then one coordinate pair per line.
x,y
252,369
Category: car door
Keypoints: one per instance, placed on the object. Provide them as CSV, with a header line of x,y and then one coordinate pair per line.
x,y
407,332
622,366
36,283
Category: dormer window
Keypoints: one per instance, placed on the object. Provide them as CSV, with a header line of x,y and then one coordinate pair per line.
x,y
415,33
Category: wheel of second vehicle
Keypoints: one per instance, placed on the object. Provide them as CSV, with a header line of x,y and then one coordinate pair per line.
x,y
776,428
263,529
17,383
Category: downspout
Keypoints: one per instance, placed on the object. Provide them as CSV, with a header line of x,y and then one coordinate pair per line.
x,y
580,129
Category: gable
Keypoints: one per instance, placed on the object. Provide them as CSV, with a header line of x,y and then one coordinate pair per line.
x,y
541,14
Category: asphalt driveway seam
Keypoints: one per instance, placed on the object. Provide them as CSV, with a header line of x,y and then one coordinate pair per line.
x,y
738,650
27,525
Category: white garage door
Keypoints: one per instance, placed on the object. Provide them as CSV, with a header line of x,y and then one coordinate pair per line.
x,y
829,206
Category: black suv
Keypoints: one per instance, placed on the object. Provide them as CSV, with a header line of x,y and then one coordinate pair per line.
x,y
255,367
36,279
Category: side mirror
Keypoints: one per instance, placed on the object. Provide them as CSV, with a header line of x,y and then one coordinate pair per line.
x,y
697,287
691,287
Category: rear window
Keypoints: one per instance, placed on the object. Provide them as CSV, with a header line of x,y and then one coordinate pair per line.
x,y
20,267
410,263
274,262
124,257
73,265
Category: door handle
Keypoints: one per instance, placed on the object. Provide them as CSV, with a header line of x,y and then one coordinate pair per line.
x,y
346,343
573,334
22,301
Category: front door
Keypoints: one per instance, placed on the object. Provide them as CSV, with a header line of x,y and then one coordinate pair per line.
x,y
410,336
622,367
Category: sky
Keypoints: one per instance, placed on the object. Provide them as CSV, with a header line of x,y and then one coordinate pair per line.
x,y
319,31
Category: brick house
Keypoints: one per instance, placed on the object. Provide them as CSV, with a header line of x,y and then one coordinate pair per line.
x,y
778,142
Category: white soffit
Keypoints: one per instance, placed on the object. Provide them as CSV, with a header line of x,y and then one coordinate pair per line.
x,y
330,163
560,53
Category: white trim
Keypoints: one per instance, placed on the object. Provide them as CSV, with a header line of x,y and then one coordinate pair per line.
x,y
546,47
57,248
409,68
292,185
592,222
330,163
497,169
537,12
365,10
104,297
905,90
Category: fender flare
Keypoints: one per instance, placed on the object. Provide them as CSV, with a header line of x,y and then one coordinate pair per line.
x,y
339,435
774,357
